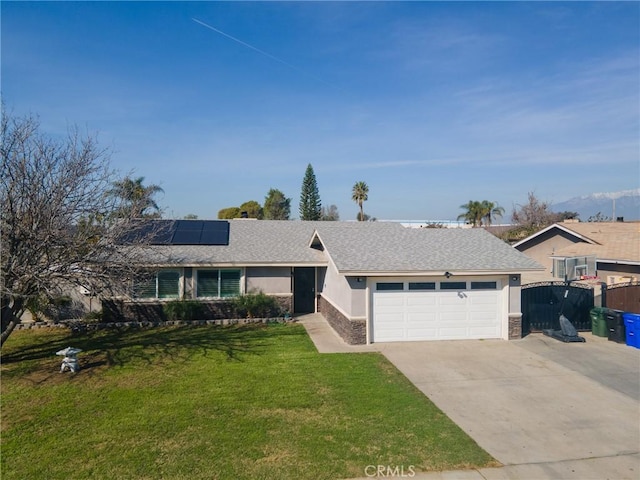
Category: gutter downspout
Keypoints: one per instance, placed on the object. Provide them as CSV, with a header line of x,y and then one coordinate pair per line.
x,y
367,313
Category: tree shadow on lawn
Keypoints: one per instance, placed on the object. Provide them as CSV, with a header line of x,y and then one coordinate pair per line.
x,y
127,346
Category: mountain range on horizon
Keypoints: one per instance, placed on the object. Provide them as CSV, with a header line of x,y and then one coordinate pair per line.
x,y
625,204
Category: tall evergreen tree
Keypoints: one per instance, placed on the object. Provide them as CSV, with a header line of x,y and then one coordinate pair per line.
x,y
310,204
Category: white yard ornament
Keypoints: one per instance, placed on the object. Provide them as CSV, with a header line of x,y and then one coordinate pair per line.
x,y
69,361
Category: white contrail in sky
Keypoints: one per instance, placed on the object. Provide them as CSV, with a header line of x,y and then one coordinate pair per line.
x,y
261,52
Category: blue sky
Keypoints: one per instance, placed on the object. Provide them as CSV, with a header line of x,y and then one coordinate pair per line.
x,y
432,104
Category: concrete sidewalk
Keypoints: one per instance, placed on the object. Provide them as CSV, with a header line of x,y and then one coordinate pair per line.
x,y
326,339
545,409
623,467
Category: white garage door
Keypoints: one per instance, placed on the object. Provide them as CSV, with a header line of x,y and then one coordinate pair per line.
x,y
411,311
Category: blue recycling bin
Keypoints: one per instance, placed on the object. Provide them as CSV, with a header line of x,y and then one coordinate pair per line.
x,y
632,329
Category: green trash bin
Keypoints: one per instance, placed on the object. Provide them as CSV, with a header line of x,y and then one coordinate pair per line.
x,y
599,321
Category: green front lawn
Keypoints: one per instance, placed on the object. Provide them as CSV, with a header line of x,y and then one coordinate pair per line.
x,y
254,402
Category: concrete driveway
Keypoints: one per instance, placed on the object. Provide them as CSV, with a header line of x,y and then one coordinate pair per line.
x,y
535,400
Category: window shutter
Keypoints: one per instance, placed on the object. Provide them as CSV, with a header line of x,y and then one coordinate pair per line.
x,y
207,283
168,284
145,288
229,283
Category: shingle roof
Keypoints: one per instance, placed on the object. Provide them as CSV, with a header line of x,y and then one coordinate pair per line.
x,y
413,250
353,246
612,241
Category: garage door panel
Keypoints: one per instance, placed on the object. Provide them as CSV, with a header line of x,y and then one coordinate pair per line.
x,y
422,317
452,333
386,300
418,334
481,317
390,335
450,300
390,320
477,300
421,300
436,315
452,317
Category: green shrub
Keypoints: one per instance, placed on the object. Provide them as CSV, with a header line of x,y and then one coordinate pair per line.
x,y
182,310
37,306
43,307
94,316
256,305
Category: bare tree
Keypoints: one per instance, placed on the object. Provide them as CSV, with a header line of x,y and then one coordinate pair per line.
x,y
58,229
533,215
531,218
330,214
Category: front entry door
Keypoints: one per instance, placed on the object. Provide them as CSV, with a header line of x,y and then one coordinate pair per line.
x,y
304,289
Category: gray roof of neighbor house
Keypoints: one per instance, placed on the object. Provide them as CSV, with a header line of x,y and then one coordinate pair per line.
x,y
375,247
412,250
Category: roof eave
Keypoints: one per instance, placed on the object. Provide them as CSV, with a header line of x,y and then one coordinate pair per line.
x,y
618,261
434,273
550,227
233,264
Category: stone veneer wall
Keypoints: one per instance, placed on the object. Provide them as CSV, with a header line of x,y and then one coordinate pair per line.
x,y
354,332
515,326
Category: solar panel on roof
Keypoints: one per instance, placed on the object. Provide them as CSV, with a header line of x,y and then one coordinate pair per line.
x,y
215,233
161,237
216,227
158,232
186,237
182,225
219,237
179,232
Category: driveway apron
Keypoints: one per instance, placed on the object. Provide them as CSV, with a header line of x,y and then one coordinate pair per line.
x,y
533,400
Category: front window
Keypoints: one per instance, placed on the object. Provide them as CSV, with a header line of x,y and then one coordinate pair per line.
x,y
218,283
163,284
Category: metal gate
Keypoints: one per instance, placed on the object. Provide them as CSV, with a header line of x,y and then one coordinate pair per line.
x,y
542,304
625,297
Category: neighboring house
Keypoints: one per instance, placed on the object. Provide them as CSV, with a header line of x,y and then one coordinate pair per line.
x,y
572,250
372,281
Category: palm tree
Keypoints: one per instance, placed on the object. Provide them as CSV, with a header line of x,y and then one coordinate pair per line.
x,y
473,214
490,210
479,213
360,194
136,198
